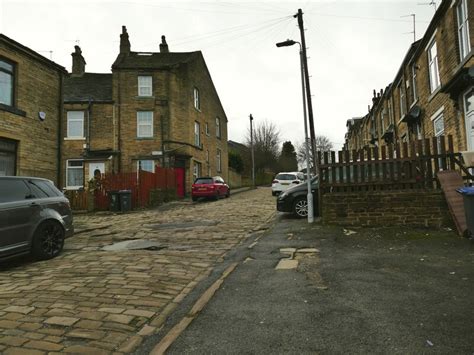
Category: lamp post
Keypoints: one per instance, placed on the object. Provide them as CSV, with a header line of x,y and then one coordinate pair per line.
x,y
251,149
310,207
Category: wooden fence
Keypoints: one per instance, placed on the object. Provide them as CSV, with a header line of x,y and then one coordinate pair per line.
x,y
78,199
143,186
392,167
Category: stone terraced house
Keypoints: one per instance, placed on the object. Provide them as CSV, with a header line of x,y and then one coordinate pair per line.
x,y
154,109
432,93
30,112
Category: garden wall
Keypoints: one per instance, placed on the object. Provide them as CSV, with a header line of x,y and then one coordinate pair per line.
x,y
416,208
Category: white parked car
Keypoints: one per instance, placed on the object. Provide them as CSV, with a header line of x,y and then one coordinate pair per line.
x,y
285,180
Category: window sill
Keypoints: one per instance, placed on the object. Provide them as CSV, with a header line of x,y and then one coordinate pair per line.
x,y
144,97
145,138
13,110
73,188
434,93
74,138
464,61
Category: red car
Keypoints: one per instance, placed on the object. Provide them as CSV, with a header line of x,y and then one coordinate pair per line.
x,y
210,187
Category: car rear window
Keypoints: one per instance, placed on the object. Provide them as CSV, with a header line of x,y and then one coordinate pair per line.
x,y
285,177
41,189
13,190
203,181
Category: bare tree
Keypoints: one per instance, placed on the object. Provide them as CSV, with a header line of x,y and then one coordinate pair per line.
x,y
266,140
323,144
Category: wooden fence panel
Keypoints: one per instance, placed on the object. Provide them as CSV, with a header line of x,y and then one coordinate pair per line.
x,y
376,167
140,184
340,169
401,166
78,199
384,164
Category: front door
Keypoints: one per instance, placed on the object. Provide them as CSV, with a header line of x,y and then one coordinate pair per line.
x,y
469,114
94,166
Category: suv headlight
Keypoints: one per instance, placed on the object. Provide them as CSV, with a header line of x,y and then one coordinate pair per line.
x,y
282,195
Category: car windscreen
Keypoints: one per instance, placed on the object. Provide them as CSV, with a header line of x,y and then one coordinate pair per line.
x,y
285,177
203,181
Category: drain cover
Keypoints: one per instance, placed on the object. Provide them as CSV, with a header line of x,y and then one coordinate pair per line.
x,y
138,244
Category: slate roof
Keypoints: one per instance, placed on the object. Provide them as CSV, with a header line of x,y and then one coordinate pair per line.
x,y
90,86
152,60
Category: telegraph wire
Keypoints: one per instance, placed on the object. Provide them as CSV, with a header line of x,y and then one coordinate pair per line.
x,y
222,32
248,33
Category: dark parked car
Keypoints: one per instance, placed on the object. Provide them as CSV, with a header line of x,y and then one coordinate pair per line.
x,y
294,199
209,187
35,217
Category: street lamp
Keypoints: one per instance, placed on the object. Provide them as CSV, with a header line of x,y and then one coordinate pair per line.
x,y
288,43
251,147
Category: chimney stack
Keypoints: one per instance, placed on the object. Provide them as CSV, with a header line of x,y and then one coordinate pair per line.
x,y
124,42
78,62
164,45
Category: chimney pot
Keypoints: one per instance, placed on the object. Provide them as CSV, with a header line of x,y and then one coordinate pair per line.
x,y
124,41
78,62
163,45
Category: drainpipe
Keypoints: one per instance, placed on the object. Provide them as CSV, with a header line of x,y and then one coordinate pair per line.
x,y
395,125
162,142
60,125
89,115
119,125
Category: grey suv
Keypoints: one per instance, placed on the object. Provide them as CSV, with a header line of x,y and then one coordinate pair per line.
x,y
35,217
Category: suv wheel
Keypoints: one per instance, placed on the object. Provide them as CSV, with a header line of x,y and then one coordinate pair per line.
x,y
48,240
300,207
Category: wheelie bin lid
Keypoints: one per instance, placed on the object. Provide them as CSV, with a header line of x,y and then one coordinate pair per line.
x,y
468,190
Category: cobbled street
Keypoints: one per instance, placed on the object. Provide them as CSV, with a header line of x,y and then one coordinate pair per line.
x,y
106,300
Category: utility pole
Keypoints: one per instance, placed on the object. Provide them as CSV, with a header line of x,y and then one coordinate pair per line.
x,y
251,149
299,16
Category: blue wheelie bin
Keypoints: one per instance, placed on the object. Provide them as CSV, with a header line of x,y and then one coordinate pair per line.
x,y
468,199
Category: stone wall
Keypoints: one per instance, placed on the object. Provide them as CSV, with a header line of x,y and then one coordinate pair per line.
x,y
174,116
235,179
416,208
444,31
99,134
37,89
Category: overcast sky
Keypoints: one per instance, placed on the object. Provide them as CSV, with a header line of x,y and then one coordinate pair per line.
x,y
353,48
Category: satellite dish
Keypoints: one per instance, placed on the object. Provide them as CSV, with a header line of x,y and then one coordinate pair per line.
x,y
41,115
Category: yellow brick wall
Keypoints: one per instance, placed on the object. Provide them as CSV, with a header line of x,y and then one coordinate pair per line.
x,y
37,90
